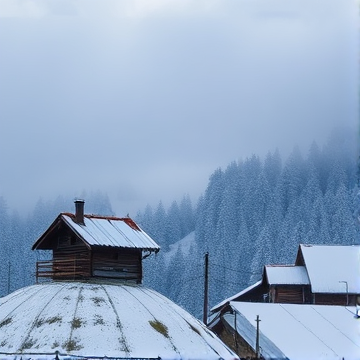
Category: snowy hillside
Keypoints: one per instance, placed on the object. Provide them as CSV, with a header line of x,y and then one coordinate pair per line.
x,y
182,245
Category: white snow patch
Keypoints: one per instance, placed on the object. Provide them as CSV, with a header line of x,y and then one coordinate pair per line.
x,y
184,245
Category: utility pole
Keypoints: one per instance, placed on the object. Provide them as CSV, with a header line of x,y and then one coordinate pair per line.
x,y
257,337
235,334
347,291
206,288
8,284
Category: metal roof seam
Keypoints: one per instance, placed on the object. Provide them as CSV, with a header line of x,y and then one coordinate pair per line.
x,y
73,227
28,335
268,349
170,315
308,329
103,230
109,232
123,234
119,325
335,327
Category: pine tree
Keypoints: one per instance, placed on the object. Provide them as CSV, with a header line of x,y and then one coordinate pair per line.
x,y
5,248
159,226
173,224
187,216
343,229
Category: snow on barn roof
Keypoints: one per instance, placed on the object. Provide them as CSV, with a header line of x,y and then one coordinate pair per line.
x,y
286,275
218,306
333,269
105,231
101,319
299,332
111,231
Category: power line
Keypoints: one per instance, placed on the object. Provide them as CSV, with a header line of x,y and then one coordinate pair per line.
x,y
224,282
238,271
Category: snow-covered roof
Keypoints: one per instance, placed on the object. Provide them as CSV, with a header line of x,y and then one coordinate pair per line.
x,y
101,319
333,268
286,275
248,332
242,292
115,232
299,332
106,231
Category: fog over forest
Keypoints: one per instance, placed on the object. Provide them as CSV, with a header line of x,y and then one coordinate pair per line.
x,y
143,99
222,126
253,212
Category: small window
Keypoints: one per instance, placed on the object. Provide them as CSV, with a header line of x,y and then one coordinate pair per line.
x,y
73,240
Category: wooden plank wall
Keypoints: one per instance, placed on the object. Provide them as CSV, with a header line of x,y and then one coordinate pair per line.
x,y
289,295
123,265
333,299
71,260
70,269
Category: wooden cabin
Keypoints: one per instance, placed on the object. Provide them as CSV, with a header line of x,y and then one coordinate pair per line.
x,y
91,246
286,284
334,273
322,274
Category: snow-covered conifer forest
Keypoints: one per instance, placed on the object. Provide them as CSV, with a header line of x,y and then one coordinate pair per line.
x,y
254,212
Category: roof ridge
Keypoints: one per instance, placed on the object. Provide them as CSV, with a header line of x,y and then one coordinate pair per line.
x,y
95,216
282,265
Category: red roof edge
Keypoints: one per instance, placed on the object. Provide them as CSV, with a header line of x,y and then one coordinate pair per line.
x,y
130,222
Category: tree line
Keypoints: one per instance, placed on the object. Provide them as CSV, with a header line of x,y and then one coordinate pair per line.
x,y
257,212
253,212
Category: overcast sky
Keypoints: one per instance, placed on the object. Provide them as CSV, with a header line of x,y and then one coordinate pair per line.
x,y
144,99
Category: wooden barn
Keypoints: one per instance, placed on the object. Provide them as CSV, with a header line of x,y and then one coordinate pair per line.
x,y
287,284
306,311
333,271
87,246
322,274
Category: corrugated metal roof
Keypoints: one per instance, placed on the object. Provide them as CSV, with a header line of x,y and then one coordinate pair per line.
x,y
302,332
102,319
286,275
248,332
111,231
333,268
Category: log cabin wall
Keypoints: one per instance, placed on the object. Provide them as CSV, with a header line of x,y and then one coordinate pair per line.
x,y
287,295
291,294
124,264
71,258
334,299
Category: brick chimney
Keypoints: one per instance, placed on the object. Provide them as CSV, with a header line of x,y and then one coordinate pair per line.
x,y
79,211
